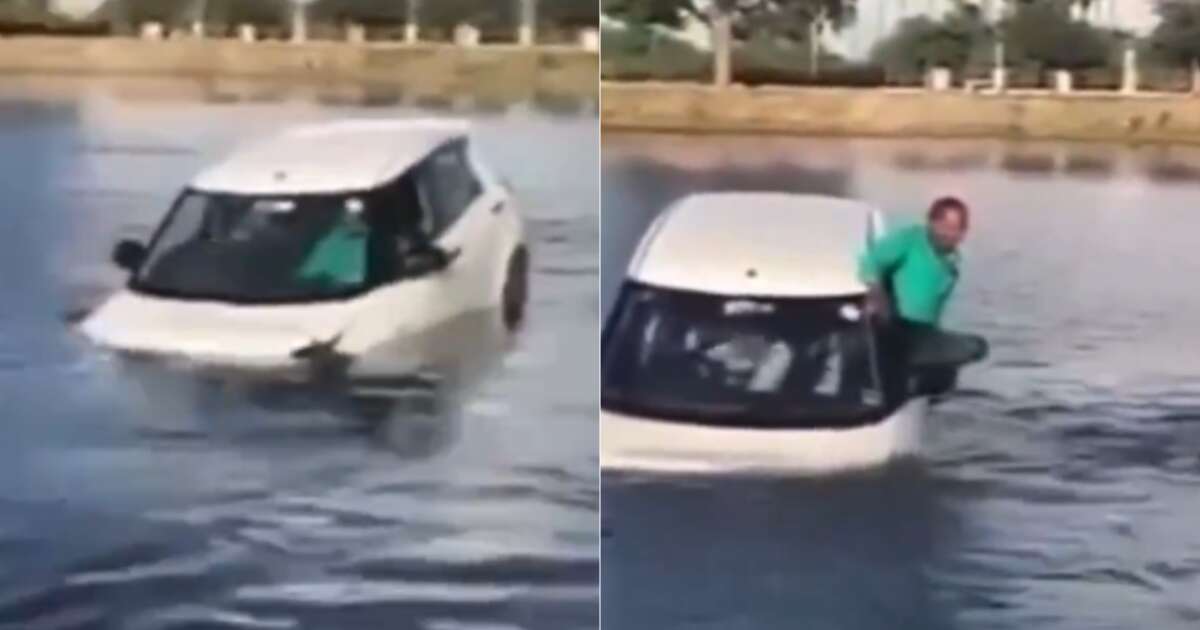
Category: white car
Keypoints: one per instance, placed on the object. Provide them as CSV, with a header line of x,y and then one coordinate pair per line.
x,y
331,239
738,344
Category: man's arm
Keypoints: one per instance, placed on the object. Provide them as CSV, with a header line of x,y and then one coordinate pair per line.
x,y
880,259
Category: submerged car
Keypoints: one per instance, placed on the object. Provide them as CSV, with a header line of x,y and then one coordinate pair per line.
x,y
739,342
327,240
409,398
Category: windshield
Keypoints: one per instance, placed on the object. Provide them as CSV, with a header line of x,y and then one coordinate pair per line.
x,y
259,249
761,362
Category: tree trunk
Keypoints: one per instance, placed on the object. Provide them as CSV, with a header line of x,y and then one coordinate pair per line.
x,y
814,47
199,18
999,72
412,30
1129,71
722,27
527,31
299,22
1196,76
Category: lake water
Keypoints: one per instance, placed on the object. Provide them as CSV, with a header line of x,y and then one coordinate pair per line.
x,y
1057,490
170,502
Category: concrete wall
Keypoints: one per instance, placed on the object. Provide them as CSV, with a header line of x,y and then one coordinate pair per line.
x,y
499,71
900,113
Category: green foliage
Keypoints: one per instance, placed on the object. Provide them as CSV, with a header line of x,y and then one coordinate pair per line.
x,y
920,43
125,14
644,52
35,17
434,14
569,13
1039,35
1043,34
642,12
1176,39
777,19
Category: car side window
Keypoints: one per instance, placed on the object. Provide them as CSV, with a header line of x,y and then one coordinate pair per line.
x,y
447,185
189,222
399,226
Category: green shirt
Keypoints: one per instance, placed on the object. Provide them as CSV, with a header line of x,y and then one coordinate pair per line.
x,y
339,258
922,277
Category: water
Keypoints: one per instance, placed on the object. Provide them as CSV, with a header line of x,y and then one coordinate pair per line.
x,y
166,500
1058,490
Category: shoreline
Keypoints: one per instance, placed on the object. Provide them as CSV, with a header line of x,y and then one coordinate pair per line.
x,y
1144,118
501,72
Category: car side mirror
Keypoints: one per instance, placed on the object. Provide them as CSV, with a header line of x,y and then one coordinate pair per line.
x,y
129,255
430,259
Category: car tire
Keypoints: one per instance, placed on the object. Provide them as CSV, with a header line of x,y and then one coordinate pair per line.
x,y
516,289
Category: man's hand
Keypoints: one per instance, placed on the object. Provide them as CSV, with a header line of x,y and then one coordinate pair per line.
x,y
877,305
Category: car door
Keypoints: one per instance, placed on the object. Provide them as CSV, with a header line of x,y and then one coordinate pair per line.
x,y
461,205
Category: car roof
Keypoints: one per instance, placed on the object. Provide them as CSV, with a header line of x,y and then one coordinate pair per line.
x,y
346,155
755,243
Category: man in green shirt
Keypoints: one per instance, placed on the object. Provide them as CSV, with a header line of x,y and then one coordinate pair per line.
x,y
910,276
919,264
339,259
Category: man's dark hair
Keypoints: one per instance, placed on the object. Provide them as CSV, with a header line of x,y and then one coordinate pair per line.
x,y
945,205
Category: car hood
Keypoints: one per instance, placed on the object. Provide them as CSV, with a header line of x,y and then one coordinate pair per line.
x,y
254,335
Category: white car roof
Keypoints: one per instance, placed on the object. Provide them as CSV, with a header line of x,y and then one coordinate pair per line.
x,y
750,243
330,157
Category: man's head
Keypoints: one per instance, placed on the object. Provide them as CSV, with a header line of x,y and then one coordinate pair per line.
x,y
948,222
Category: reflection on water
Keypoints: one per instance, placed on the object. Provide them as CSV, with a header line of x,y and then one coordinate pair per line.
x,y
1022,162
451,482
1056,490
1072,161
848,552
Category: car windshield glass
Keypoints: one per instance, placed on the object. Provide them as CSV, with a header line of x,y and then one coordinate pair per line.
x,y
259,249
748,361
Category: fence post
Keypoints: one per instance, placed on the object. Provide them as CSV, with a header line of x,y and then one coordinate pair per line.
x,y
466,35
1063,81
939,79
152,31
589,39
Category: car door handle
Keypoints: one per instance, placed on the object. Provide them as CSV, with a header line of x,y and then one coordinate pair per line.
x,y
498,208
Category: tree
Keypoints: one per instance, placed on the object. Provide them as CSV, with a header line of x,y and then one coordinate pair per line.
x,y
642,12
797,21
1043,33
124,15
921,43
1176,39
570,13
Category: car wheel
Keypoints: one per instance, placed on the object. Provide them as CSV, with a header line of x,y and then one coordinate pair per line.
x,y
516,288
